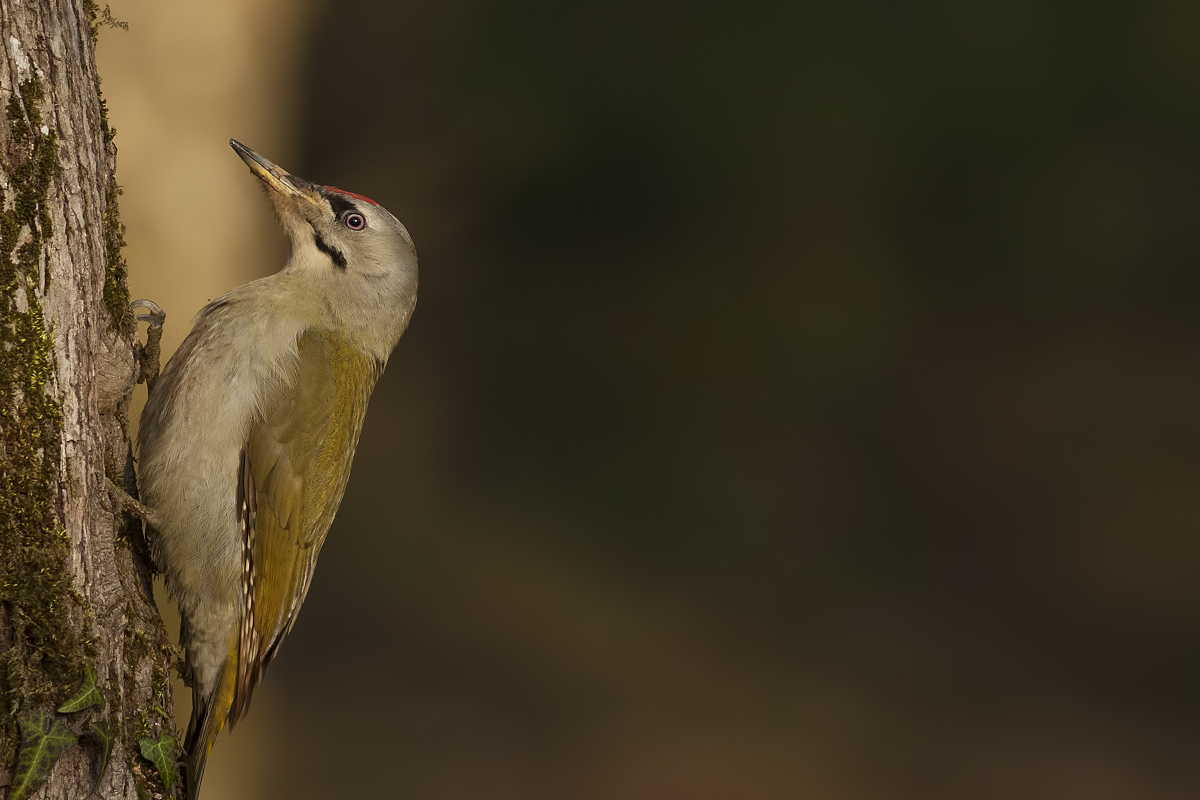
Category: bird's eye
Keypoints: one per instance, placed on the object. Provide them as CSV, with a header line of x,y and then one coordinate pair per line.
x,y
354,221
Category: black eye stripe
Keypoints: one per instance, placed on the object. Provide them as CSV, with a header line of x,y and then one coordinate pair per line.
x,y
340,204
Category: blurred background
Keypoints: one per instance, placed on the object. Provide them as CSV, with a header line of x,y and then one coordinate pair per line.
x,y
803,398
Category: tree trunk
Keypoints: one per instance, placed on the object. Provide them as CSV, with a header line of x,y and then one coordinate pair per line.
x,y
75,594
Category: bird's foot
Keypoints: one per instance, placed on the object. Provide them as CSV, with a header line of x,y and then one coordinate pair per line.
x,y
148,354
126,502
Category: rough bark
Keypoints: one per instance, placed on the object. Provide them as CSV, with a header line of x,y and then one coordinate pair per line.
x,y
75,596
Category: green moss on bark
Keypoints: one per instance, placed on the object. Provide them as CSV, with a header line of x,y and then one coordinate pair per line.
x,y
43,660
116,288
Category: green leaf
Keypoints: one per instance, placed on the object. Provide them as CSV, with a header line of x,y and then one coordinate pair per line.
x,y
89,694
104,737
39,751
162,755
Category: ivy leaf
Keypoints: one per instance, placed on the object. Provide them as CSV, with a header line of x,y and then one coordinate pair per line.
x,y
89,694
104,737
162,755
39,751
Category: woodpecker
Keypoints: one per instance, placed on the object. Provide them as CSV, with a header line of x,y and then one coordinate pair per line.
x,y
248,435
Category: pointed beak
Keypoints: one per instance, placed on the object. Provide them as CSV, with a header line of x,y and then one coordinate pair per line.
x,y
274,176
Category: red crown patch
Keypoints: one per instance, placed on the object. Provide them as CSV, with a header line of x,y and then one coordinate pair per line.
x,y
352,194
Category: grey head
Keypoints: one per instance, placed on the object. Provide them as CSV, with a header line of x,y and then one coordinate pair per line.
x,y
346,248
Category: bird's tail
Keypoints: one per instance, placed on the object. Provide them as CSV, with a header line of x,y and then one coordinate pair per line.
x,y
209,715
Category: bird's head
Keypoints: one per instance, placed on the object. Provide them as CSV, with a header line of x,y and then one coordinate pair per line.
x,y
348,247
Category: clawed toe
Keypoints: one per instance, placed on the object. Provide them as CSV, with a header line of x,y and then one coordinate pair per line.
x,y
156,317
147,354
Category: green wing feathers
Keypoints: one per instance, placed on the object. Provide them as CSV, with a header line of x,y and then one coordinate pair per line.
x,y
298,457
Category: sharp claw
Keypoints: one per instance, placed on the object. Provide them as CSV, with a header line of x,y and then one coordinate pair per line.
x,y
150,304
155,317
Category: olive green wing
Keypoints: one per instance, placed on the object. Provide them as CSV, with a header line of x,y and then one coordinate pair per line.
x,y
292,475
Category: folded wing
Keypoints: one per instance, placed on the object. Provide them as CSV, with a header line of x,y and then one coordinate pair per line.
x,y
296,464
